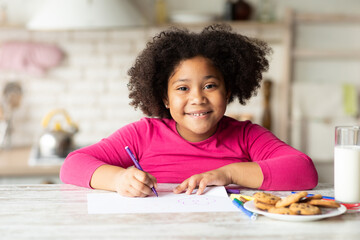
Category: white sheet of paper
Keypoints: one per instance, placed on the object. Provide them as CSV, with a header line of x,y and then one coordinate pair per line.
x,y
215,199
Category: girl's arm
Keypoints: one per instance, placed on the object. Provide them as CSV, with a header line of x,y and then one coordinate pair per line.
x,y
246,174
283,167
106,165
84,169
129,182
273,165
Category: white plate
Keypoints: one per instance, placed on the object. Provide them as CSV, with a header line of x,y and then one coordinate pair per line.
x,y
326,213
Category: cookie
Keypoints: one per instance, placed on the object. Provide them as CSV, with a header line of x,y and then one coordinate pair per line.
x,y
293,198
283,210
267,198
307,199
315,196
304,209
263,206
324,203
243,199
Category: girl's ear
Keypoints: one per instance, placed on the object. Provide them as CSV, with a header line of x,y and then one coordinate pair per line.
x,y
166,103
228,97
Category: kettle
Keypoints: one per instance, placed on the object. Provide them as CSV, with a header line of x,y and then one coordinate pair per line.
x,y
56,141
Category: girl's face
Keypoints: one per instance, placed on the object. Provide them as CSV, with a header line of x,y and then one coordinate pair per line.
x,y
197,98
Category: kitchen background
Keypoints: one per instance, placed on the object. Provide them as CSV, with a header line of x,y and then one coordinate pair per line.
x,y
314,71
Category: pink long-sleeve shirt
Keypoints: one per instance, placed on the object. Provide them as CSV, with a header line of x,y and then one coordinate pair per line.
x,y
163,153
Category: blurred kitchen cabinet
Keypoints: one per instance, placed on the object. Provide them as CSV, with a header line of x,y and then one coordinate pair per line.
x,y
325,80
15,168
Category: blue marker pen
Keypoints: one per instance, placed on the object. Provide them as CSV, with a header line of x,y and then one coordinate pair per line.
x,y
239,205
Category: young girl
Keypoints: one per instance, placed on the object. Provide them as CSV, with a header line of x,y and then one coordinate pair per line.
x,y
184,81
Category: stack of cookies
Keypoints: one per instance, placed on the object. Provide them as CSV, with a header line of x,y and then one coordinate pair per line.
x,y
294,204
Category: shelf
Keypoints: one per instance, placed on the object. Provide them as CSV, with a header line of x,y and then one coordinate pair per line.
x,y
325,51
327,18
271,32
240,24
255,25
332,54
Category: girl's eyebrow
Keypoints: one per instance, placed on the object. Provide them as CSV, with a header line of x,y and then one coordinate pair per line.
x,y
211,76
187,80
180,80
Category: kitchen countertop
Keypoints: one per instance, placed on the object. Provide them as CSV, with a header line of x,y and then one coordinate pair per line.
x,y
15,162
59,211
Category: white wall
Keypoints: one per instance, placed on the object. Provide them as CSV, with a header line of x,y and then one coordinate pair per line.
x,y
90,83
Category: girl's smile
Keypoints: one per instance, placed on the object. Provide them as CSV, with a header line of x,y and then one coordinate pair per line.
x,y
199,114
197,98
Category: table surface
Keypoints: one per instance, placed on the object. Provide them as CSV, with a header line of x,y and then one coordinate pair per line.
x,y
59,211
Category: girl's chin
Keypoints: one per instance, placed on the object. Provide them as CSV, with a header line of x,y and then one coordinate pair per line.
x,y
199,135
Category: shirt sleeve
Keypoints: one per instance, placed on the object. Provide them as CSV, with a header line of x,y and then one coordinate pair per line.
x,y
80,165
283,167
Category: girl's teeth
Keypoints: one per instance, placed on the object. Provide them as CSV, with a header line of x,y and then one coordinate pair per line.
x,y
198,114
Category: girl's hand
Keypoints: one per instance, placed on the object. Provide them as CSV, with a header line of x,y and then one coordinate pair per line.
x,y
133,182
219,177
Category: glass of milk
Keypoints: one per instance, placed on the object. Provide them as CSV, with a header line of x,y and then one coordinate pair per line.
x,y
347,164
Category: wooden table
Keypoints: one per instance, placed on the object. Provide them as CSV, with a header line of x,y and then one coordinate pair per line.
x,y
60,212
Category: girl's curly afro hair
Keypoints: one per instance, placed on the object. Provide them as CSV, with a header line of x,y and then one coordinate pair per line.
x,y
240,59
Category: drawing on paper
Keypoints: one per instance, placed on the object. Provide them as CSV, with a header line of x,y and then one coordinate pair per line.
x,y
196,201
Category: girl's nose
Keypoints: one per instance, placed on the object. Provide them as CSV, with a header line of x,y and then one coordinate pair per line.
x,y
197,97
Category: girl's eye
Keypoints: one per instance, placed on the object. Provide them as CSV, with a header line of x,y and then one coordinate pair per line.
x,y
209,86
182,88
